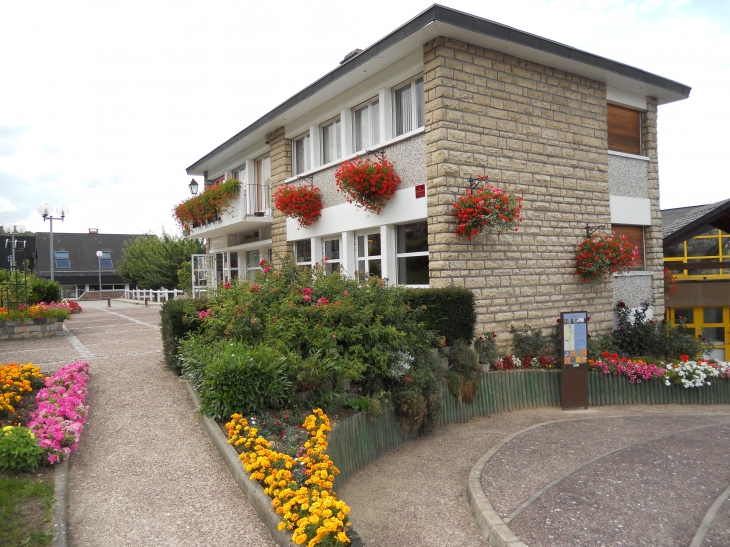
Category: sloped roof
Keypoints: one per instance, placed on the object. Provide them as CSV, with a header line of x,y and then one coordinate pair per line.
x,y
82,250
684,222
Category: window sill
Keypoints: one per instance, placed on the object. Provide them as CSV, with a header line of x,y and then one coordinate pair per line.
x,y
379,146
633,273
625,155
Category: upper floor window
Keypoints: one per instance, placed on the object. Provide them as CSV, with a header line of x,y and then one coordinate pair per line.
x,y
106,260
302,158
635,235
409,106
331,141
62,259
240,174
624,129
366,125
263,171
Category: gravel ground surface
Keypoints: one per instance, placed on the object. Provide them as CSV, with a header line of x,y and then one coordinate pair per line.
x,y
145,473
719,534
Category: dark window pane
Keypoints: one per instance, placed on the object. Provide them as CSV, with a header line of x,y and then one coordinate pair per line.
x,y
62,259
676,250
304,251
374,268
712,315
413,238
360,247
332,267
712,271
703,247
413,270
714,335
688,314
332,249
373,244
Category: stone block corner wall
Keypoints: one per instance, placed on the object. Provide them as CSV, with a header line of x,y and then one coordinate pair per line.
x,y
542,131
281,169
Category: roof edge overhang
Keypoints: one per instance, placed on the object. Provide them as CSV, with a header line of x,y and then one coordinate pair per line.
x,y
478,27
720,213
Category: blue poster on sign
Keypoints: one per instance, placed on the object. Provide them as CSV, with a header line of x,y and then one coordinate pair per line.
x,y
575,338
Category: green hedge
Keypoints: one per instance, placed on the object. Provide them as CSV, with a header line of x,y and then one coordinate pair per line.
x,y
449,312
173,327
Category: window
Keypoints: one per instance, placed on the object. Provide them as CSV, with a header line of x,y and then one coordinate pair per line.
x,y
712,323
624,134
635,235
302,156
409,106
331,251
366,125
62,259
233,264
303,252
253,263
106,260
257,196
369,254
331,141
694,258
412,253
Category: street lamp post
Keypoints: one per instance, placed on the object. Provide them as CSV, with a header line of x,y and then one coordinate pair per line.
x,y
13,229
98,255
45,209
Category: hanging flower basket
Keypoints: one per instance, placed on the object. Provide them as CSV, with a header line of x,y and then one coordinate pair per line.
x,y
670,282
487,209
302,203
367,183
207,206
599,256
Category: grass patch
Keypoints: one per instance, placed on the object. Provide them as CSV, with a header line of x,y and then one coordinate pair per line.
x,y
26,508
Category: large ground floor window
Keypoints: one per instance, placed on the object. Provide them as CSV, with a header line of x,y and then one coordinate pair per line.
x,y
712,323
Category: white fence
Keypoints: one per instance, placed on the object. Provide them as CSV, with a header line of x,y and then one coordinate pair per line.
x,y
163,295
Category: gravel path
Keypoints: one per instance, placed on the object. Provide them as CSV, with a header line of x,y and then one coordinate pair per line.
x,y
145,473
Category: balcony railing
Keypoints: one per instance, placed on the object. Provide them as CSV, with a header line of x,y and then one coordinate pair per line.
x,y
257,200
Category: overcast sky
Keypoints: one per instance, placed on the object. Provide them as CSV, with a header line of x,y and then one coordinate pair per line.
x,y
104,104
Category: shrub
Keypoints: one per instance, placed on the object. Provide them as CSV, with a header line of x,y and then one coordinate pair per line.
x,y
529,341
450,312
486,347
19,450
463,374
178,318
44,290
239,378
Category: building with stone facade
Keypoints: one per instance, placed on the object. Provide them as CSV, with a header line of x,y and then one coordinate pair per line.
x,y
449,96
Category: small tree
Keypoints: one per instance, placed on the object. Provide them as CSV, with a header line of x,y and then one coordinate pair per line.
x,y
152,262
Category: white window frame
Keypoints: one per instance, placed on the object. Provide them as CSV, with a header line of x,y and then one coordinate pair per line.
x,y
307,152
296,253
414,105
106,255
366,257
407,255
336,122
373,133
251,270
333,262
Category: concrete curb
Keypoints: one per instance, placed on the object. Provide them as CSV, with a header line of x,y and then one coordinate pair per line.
x,y
60,502
253,491
494,529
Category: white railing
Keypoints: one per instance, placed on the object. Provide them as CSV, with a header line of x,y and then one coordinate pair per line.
x,y
163,295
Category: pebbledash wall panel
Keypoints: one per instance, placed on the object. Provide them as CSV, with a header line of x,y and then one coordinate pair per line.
x,y
542,131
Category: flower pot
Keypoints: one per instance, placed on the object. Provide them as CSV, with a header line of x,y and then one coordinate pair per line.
x,y
41,321
258,214
60,319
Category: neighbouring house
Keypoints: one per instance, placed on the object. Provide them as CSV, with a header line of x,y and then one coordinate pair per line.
x,y
697,252
75,263
450,96
24,250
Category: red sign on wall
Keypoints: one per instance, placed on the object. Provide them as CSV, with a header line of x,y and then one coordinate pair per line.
x,y
421,191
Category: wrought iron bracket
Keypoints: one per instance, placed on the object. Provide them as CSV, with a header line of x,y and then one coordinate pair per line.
x,y
380,154
590,230
474,183
307,178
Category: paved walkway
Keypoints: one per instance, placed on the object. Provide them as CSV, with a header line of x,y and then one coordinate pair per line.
x,y
145,473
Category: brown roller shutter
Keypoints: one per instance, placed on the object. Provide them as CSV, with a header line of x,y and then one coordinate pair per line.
x,y
624,129
635,235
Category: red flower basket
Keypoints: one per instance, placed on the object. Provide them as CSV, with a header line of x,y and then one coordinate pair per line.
x,y
670,282
599,256
205,207
302,203
487,209
367,183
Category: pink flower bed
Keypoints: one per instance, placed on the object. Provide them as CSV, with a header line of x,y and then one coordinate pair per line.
x,y
59,419
635,370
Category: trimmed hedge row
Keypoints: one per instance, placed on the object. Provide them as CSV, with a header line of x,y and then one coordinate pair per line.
x,y
174,328
449,312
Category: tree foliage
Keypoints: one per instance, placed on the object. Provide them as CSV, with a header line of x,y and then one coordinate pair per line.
x,y
152,262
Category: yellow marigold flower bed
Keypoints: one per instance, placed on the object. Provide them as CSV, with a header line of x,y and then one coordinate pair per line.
x,y
15,380
311,511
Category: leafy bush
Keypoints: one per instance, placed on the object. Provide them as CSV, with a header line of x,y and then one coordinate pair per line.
x,y
19,450
369,405
152,262
463,374
486,347
239,378
529,341
178,318
450,312
44,290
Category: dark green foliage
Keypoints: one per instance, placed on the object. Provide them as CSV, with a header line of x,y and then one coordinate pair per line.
x,y
238,378
486,347
449,312
44,290
152,262
532,342
598,343
19,451
178,319
463,374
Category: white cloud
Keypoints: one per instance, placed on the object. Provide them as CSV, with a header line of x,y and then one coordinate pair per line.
x,y
5,205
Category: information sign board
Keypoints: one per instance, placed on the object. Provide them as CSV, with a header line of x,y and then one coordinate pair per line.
x,y
574,364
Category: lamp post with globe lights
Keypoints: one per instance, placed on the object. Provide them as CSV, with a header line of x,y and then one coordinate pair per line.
x,y
98,256
14,229
45,209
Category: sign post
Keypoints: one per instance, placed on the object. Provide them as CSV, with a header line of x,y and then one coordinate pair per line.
x,y
574,344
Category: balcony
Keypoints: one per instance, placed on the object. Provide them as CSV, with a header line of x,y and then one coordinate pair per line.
x,y
250,210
